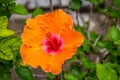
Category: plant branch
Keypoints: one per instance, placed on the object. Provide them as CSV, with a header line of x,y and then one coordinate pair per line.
x,y
63,74
51,6
90,16
57,77
36,3
77,17
106,54
82,19
97,39
103,23
60,4
40,76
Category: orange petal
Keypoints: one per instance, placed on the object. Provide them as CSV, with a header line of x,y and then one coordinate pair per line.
x,y
54,21
31,35
72,38
55,65
56,61
34,56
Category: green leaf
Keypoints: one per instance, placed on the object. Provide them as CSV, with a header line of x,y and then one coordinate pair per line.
x,y
113,34
105,72
116,3
118,69
8,64
73,58
50,76
82,75
4,73
118,77
118,59
81,30
109,46
75,69
37,11
117,42
3,22
6,32
111,65
77,72
80,51
93,1
5,52
19,9
110,12
92,74
7,14
93,36
75,4
16,54
70,77
94,48
86,48
14,42
24,73
101,44
113,13
103,11
87,64
89,78
101,1
5,1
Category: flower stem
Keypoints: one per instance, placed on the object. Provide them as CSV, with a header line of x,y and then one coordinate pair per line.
x,y
51,6
63,75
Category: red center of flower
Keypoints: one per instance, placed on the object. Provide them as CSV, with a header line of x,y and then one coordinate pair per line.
x,y
52,43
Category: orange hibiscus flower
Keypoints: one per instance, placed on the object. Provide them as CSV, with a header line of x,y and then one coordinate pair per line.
x,y
49,40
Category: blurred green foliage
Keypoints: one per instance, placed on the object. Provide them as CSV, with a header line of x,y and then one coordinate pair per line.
x,y
104,72
24,73
10,43
37,11
9,52
81,66
75,4
107,67
9,7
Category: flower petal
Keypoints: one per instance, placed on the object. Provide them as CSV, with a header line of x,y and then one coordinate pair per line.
x,y
36,32
35,57
72,38
54,21
32,36
55,65
56,61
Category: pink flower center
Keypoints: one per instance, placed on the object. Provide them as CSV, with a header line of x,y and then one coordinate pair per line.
x,y
52,43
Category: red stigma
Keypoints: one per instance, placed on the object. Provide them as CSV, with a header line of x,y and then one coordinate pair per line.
x,y
52,43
